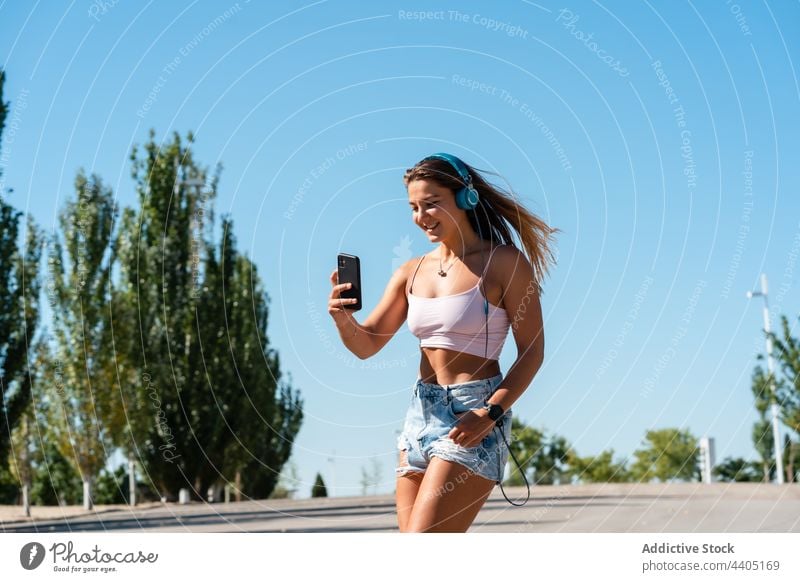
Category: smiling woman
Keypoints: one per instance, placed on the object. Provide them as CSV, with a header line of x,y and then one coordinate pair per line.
x,y
454,445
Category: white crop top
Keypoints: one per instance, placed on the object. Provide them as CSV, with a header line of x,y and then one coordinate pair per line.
x,y
458,322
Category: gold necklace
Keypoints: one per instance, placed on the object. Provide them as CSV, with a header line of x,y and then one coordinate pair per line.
x,y
443,273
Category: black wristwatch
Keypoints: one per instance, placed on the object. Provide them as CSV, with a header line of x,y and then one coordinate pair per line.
x,y
495,410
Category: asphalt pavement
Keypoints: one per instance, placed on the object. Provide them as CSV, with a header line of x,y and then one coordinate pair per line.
x,y
677,507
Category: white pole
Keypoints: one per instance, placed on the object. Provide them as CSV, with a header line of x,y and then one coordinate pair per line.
x,y
131,481
332,460
26,501
707,459
776,430
87,493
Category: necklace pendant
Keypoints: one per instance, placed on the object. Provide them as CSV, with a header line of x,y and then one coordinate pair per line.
x,y
442,273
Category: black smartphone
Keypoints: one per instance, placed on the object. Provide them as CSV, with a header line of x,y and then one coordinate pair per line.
x,y
350,272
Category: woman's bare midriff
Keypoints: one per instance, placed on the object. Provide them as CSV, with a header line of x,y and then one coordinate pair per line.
x,y
442,366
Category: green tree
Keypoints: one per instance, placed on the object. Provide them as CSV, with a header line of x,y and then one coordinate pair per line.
x,y
762,435
738,469
85,416
170,405
9,487
55,480
791,458
20,286
599,469
28,437
764,443
526,445
543,458
319,489
787,352
23,450
113,486
670,454
3,106
257,415
209,406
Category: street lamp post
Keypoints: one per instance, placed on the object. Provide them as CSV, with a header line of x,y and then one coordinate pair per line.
x,y
776,431
332,461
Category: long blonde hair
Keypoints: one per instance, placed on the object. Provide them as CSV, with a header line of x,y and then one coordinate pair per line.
x,y
497,213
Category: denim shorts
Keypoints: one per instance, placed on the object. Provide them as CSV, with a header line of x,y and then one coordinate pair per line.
x,y
433,413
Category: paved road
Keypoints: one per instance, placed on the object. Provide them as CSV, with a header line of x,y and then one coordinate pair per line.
x,y
680,507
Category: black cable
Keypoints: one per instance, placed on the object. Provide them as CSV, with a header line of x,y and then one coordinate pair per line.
x,y
499,422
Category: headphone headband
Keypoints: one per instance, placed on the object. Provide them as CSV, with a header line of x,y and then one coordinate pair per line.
x,y
467,197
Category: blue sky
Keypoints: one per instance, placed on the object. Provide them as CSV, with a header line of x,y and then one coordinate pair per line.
x,y
660,137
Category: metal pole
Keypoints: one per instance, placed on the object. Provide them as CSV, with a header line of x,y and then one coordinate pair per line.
x,y
707,458
332,460
776,431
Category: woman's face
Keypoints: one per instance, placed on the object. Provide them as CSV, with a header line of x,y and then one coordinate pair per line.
x,y
434,210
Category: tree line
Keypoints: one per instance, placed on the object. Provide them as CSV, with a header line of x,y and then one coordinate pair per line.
x,y
672,454
156,348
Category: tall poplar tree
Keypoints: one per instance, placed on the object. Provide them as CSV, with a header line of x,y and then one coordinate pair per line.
x,y
85,417
20,286
258,414
208,407
155,299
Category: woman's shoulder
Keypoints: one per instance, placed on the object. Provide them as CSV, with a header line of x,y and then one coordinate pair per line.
x,y
508,262
507,255
512,268
407,268
509,250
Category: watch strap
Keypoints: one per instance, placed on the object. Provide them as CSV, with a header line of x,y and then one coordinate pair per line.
x,y
495,410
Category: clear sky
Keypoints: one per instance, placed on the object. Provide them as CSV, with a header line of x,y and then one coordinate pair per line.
x,y
660,137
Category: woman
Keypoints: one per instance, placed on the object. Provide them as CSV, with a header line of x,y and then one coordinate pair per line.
x,y
459,299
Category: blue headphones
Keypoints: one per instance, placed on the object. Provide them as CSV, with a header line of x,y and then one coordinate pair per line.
x,y
467,197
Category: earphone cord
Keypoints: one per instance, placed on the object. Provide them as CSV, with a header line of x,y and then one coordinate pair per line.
x,y
499,423
485,299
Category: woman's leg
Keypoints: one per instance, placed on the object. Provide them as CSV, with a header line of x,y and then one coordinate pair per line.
x,y
407,487
448,499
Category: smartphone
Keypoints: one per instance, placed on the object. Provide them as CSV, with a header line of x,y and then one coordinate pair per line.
x,y
350,272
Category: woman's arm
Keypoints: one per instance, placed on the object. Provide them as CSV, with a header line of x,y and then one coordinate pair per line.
x,y
367,339
521,302
354,337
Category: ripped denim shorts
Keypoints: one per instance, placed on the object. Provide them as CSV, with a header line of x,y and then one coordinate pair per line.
x,y
434,411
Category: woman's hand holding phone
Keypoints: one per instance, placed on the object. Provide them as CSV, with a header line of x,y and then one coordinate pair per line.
x,y
337,304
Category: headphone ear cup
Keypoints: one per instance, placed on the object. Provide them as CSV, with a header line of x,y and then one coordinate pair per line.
x,y
467,198
472,197
461,200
